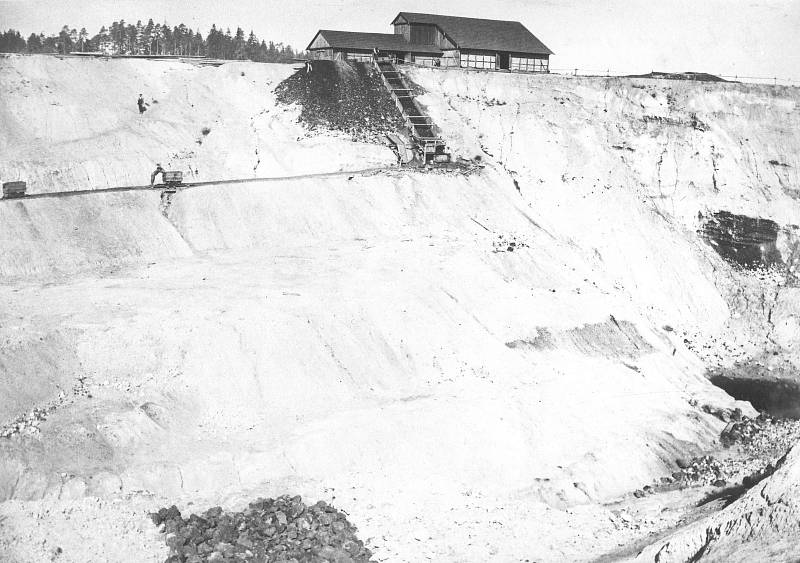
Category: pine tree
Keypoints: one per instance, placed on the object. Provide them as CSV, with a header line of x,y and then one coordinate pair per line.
x,y
239,45
147,36
212,43
227,51
63,38
34,43
138,41
252,46
158,36
83,35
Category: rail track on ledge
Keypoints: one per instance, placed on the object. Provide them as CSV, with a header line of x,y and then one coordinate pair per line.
x,y
187,185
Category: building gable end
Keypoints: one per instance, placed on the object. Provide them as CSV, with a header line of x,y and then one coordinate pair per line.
x,y
453,43
319,42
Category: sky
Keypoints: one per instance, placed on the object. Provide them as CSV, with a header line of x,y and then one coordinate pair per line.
x,y
729,37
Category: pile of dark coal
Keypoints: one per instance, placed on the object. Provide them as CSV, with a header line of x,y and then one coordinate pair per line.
x,y
281,529
343,96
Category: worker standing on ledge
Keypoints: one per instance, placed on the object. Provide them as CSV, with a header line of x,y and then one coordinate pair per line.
x,y
155,173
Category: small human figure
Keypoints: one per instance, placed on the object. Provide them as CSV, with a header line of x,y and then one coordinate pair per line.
x,y
375,53
309,68
142,105
155,173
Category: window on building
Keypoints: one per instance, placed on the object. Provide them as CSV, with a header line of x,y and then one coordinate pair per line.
x,y
477,61
450,58
358,57
528,64
427,61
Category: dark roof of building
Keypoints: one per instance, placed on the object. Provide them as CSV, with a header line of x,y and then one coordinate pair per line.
x,y
369,41
476,33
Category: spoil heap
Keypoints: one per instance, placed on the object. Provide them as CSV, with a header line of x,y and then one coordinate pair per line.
x,y
340,96
282,529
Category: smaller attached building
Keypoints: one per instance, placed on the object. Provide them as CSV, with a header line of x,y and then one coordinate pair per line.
x,y
434,40
350,45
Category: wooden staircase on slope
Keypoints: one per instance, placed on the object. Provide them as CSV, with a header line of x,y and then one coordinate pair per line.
x,y
431,145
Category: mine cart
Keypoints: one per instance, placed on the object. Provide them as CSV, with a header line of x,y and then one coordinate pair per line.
x,y
173,179
13,189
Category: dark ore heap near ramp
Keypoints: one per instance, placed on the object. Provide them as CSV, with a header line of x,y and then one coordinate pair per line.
x,y
343,96
281,529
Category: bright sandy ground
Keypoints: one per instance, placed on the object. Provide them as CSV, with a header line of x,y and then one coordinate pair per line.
x,y
366,339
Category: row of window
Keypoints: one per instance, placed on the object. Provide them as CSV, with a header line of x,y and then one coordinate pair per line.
x,y
477,61
468,60
529,65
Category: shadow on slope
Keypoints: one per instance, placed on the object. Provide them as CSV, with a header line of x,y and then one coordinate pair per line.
x,y
741,240
775,396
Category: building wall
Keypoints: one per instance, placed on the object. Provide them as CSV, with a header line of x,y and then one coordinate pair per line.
x,y
320,54
358,55
319,43
490,60
426,60
451,58
529,63
443,42
478,59
403,29
423,34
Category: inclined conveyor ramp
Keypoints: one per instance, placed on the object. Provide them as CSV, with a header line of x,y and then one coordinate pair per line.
x,y
431,145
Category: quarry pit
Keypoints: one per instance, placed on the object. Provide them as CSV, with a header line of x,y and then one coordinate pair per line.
x,y
337,328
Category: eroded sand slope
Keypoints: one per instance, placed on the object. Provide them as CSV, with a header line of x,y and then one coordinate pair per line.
x,y
374,334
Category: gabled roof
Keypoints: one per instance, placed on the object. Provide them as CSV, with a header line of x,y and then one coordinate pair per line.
x,y
476,33
369,41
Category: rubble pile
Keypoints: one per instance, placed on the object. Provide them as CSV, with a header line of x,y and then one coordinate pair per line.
x,y
507,243
28,423
763,437
758,443
345,97
281,529
703,470
742,432
698,472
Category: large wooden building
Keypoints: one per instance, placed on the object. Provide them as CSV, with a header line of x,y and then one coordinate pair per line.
x,y
434,40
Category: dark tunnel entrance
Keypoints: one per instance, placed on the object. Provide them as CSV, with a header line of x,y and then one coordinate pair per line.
x,y
779,398
742,240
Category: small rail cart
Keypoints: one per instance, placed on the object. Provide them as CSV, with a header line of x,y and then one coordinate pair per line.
x,y
13,189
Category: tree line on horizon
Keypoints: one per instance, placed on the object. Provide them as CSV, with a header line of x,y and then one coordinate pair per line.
x,y
151,39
